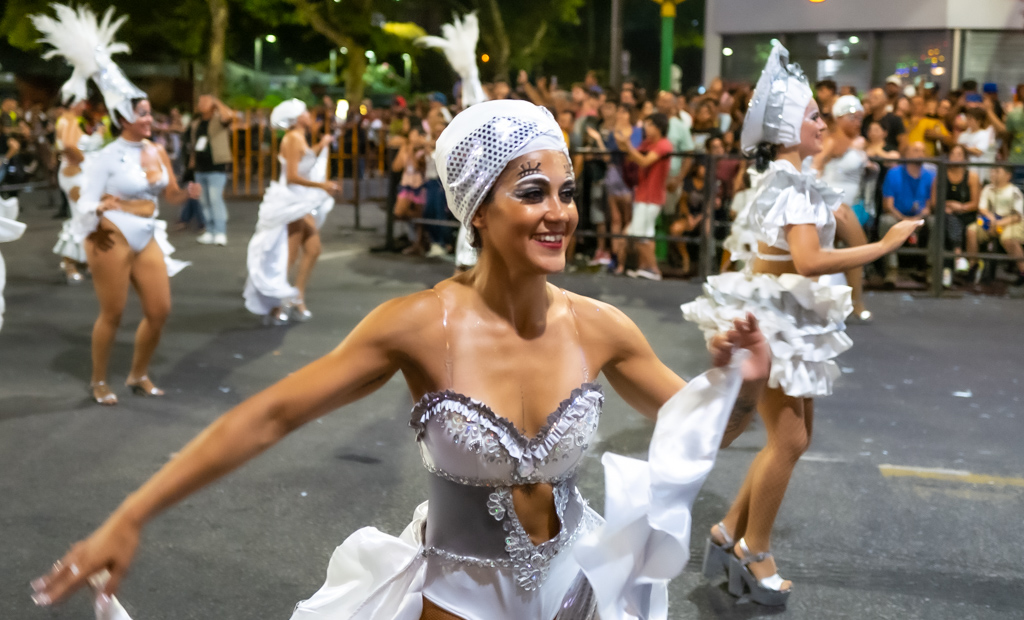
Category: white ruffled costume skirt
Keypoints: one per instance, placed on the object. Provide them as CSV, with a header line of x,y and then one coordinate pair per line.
x,y
802,319
267,286
67,246
628,558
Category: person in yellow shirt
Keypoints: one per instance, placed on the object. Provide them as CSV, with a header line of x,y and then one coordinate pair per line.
x,y
921,128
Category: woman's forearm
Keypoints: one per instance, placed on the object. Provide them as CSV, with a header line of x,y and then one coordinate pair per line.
x,y
824,262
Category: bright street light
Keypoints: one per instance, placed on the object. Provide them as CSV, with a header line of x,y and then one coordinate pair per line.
x,y
270,38
344,50
726,51
854,40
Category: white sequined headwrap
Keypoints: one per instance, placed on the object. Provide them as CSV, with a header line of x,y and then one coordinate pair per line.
x,y
480,141
778,105
88,44
286,113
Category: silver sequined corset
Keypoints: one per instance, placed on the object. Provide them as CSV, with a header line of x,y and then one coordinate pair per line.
x,y
477,457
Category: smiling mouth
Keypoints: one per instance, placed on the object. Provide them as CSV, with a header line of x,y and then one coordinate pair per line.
x,y
551,241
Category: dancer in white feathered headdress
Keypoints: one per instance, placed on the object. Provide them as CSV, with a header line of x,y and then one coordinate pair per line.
x,y
116,213
77,36
88,45
458,42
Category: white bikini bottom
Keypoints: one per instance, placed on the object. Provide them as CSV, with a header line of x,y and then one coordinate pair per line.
x,y
137,230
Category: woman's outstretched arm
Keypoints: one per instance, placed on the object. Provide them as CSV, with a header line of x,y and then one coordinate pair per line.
x,y
364,361
646,383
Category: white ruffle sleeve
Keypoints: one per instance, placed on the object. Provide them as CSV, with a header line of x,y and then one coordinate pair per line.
x,y
788,197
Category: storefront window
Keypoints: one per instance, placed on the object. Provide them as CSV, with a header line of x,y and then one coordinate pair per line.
x,y
994,56
922,58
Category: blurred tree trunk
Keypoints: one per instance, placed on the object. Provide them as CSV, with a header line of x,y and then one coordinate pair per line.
x,y
321,21
500,45
213,80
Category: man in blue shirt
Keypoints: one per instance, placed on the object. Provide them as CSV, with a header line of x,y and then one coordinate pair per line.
x,y
908,193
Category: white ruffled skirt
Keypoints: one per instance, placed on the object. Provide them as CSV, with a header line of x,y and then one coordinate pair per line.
x,y
67,245
802,319
10,230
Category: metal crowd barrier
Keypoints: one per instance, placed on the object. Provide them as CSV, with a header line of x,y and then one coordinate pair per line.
x,y
254,149
709,245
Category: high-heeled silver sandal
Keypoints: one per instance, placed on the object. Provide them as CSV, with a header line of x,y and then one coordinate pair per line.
x,y
716,556
767,591
278,316
109,398
295,313
140,390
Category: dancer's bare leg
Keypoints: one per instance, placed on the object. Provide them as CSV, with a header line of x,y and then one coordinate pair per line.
x,y
850,232
311,248
788,422
110,261
153,285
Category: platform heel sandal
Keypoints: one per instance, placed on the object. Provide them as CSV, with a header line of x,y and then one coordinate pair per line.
x,y
143,386
716,556
765,591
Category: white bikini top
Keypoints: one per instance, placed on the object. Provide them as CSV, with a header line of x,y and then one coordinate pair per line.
x,y
786,196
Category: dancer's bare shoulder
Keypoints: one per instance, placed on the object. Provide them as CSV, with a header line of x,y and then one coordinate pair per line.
x,y
404,324
605,329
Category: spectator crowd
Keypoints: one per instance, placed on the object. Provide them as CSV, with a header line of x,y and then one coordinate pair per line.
x,y
644,161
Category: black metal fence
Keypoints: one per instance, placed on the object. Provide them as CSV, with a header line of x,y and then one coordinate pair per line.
x,y
709,243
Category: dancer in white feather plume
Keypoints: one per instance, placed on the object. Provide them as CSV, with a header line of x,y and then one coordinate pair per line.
x,y
125,245
458,43
79,136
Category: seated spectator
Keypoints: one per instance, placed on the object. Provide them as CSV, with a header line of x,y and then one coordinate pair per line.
x,y
1000,215
690,212
963,189
412,195
652,157
906,194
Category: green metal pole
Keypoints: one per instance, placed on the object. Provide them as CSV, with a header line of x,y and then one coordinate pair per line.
x,y
668,20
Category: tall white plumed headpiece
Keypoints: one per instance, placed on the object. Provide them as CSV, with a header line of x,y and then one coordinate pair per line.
x,y
480,141
778,105
458,42
87,44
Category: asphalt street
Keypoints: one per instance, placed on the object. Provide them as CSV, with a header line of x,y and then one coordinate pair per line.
x,y
907,506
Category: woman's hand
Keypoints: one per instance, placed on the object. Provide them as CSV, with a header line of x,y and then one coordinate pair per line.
x,y
110,548
109,203
330,187
898,234
745,335
194,190
324,141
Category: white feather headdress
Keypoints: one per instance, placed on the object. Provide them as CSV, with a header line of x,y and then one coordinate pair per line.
x,y
458,42
87,44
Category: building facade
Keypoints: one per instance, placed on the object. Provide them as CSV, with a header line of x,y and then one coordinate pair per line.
x,y
862,42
